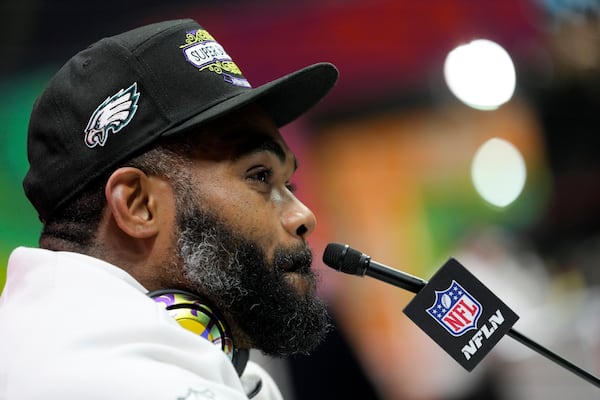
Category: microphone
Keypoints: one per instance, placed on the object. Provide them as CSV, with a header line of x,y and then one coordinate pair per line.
x,y
351,261
345,259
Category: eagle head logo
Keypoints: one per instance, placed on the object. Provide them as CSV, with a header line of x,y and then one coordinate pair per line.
x,y
112,115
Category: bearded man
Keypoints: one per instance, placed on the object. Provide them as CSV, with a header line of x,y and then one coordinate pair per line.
x,y
172,240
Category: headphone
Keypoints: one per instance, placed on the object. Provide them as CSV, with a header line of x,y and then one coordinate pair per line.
x,y
198,316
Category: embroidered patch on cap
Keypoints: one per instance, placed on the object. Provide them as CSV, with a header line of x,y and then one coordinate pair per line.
x,y
112,115
203,52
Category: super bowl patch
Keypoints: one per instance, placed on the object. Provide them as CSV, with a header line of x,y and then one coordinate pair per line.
x,y
205,53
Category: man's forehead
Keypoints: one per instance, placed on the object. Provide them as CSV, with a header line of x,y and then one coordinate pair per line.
x,y
256,142
246,131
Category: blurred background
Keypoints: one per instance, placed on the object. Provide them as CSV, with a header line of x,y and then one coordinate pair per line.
x,y
457,129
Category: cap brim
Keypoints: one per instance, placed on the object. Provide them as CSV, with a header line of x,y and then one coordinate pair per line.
x,y
284,99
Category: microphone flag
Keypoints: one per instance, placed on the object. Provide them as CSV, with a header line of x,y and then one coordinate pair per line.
x,y
460,314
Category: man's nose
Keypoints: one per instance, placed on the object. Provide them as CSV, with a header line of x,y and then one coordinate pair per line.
x,y
299,220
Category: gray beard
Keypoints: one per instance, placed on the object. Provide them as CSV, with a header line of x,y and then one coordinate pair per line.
x,y
234,274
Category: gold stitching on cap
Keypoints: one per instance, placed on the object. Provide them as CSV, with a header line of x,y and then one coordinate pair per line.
x,y
220,66
200,36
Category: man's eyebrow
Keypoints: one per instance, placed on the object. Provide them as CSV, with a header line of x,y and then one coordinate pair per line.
x,y
264,143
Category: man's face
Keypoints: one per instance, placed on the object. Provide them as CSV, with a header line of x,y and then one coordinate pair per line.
x,y
242,236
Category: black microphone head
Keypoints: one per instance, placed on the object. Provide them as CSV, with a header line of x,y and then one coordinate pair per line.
x,y
345,259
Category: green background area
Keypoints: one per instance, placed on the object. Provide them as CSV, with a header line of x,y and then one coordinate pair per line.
x,y
19,225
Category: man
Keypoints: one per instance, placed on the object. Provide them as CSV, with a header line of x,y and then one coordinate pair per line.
x,y
164,188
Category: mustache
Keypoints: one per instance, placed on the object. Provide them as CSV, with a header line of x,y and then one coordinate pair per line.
x,y
297,259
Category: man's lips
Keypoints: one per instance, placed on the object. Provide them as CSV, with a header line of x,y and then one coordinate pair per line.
x,y
298,261
297,268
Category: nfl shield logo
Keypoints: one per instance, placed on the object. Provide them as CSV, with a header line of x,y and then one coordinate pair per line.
x,y
455,309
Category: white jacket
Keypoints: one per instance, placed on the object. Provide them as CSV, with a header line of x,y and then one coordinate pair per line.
x,y
75,327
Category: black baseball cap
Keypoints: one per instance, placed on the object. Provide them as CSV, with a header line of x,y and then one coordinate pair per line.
x,y
118,97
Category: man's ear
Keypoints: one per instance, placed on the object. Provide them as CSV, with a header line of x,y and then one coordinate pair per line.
x,y
132,199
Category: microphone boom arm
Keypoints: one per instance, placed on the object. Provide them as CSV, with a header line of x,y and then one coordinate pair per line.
x,y
365,266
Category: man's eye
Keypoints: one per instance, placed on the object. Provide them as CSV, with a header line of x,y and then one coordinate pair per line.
x,y
263,175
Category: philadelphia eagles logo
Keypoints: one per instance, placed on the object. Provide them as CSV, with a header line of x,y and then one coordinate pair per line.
x,y
112,115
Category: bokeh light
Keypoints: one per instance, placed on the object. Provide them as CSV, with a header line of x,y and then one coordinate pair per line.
x,y
498,172
481,74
